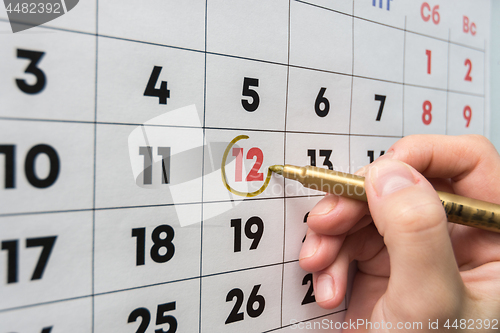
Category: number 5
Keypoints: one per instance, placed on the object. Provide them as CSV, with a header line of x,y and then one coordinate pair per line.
x,y
247,83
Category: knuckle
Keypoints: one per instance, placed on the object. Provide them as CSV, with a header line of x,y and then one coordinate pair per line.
x,y
419,216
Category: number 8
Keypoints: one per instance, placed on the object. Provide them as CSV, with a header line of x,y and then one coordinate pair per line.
x,y
427,116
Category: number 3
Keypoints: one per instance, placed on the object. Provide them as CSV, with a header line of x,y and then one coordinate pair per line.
x,y
35,58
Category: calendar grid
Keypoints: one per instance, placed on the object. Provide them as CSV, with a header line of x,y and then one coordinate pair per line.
x,y
351,136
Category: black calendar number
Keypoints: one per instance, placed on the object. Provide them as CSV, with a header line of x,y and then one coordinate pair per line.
x,y
371,154
323,153
159,242
47,329
161,318
321,100
35,57
253,299
29,165
381,99
249,82
147,175
12,248
255,236
305,221
162,93
309,297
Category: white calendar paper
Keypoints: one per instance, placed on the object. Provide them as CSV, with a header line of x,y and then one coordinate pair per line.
x,y
127,127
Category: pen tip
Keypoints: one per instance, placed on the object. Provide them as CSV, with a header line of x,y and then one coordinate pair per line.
x,y
277,169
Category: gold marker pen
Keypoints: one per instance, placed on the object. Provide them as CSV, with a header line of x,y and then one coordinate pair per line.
x,y
462,210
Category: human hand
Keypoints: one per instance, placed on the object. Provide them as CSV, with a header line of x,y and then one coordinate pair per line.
x,y
413,266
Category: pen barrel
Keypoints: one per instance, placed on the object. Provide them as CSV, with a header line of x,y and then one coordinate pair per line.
x,y
471,212
335,182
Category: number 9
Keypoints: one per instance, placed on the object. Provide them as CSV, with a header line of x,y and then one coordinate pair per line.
x,y
467,115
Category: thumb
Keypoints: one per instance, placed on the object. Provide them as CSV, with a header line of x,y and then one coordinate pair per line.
x,y
409,215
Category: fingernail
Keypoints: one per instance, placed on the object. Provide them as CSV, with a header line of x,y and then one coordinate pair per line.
x,y
310,246
324,288
389,176
388,154
325,206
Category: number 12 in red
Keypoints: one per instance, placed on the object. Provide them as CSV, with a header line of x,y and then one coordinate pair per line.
x,y
254,174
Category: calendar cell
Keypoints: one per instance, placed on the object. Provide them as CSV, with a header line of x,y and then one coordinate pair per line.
x,y
426,61
242,28
170,22
39,76
45,258
466,70
246,165
45,166
378,51
145,246
377,108
430,18
157,165
318,102
299,302
245,94
61,317
465,114
344,6
366,149
172,307
81,17
297,210
157,85
248,235
245,301
468,25
317,41
321,150
424,111
388,12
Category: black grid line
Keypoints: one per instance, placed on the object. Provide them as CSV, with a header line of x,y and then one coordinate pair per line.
x,y
284,161
95,163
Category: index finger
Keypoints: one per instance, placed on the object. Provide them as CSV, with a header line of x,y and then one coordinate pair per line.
x,y
470,161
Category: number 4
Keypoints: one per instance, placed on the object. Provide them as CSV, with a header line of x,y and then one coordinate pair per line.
x,y
162,93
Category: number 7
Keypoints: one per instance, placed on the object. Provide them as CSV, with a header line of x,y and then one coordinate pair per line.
x,y
380,98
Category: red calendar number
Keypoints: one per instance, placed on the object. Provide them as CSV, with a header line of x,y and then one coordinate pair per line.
x,y
427,116
254,174
467,115
427,13
468,63
469,27
428,53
